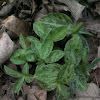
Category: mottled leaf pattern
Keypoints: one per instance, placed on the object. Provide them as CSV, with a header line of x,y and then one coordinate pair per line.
x,y
41,30
59,33
18,84
73,50
22,42
54,20
64,93
66,73
18,58
29,55
79,81
54,56
25,69
29,78
93,64
48,74
12,73
46,49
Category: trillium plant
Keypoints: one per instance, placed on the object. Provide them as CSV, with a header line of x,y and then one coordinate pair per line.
x,y
65,78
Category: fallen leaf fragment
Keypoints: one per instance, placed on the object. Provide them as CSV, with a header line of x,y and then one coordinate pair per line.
x,y
17,26
97,7
7,47
34,93
75,8
92,93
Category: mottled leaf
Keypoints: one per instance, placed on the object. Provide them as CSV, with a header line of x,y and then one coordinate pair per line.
x,y
22,42
41,30
18,84
73,50
93,64
29,55
29,78
66,73
18,58
47,75
46,49
79,81
25,69
64,93
12,73
59,33
54,20
54,56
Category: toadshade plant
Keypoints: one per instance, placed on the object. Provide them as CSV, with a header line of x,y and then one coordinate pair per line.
x,y
50,73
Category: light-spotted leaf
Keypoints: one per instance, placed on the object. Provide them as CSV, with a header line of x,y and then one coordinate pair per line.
x,y
79,81
29,55
73,50
25,69
41,30
22,42
59,33
47,75
36,46
54,56
66,73
18,57
93,64
29,78
18,84
54,20
46,49
64,93
12,73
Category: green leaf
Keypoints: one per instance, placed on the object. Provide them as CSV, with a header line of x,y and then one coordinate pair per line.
x,y
25,69
36,46
54,56
47,87
93,64
18,61
59,33
66,73
77,28
18,84
41,30
54,20
22,42
84,31
30,38
64,93
18,57
18,53
47,75
73,50
29,78
85,45
46,49
12,73
29,55
79,81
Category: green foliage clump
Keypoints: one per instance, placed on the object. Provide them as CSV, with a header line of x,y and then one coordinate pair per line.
x,y
72,74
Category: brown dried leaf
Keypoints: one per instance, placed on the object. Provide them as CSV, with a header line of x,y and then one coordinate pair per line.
x,y
75,8
17,26
40,14
91,94
7,47
97,7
